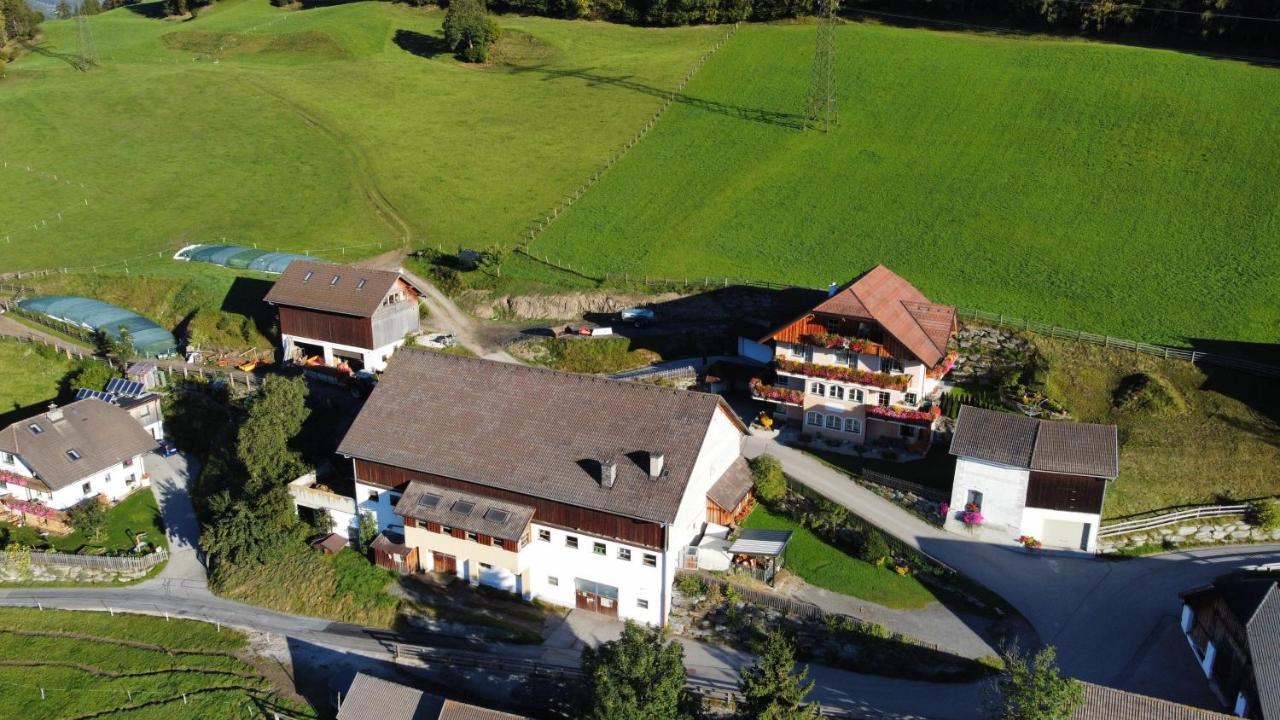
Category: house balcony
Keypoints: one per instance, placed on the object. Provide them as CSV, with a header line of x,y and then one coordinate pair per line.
x,y
940,370
773,393
836,373
905,415
308,493
835,341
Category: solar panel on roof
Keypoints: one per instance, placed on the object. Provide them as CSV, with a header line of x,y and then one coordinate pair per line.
x,y
125,388
83,393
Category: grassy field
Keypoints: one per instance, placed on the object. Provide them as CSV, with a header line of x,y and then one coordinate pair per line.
x,y
93,672
1119,190
310,130
588,355
136,513
1217,440
827,567
38,381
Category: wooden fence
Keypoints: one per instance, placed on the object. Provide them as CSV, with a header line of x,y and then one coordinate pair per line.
x,y
100,562
894,483
1157,521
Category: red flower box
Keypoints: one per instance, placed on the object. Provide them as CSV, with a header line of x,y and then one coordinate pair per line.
x,y
944,367
833,341
844,374
776,394
894,412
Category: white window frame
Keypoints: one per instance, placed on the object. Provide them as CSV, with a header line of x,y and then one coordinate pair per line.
x,y
883,399
833,422
544,536
813,418
624,554
911,399
553,581
817,388
642,603
853,426
650,560
86,488
571,542
599,548
837,392
855,395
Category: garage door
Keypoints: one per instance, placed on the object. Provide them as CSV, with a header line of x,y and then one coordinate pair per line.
x,y
1066,534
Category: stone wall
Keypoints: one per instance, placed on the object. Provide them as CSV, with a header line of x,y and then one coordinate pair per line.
x,y
1196,532
986,353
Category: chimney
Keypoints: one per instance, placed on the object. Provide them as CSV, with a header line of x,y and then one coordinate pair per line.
x,y
55,412
608,472
655,464
831,290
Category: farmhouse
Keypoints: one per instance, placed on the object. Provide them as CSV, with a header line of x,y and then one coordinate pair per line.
x,y
575,489
371,698
1017,476
339,314
863,367
132,396
60,457
1233,627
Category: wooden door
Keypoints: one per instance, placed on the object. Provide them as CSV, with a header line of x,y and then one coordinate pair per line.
x,y
587,600
446,564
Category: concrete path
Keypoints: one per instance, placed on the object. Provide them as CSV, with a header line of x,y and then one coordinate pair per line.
x,y
170,483
1114,622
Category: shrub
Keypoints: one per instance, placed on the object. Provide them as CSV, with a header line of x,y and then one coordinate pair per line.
x,y
1151,394
770,483
874,547
691,585
1265,514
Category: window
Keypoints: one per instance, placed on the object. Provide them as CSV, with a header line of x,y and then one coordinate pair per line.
x,y
86,488
361,283
463,507
650,560
906,431
427,500
131,480
837,392
544,535
624,554
74,454
494,515
571,541
853,425
35,429
128,462
553,581
818,389
855,395
497,542
813,418
598,549
8,458
889,365
882,399
146,411
642,604
335,280
974,498
911,399
833,422
472,536
395,497
308,276
373,497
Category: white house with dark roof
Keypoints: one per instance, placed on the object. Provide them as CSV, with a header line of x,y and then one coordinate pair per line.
x,y
575,489
1028,477
64,455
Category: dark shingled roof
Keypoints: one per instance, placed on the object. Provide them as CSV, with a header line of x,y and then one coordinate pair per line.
x,y
1254,600
458,711
1069,448
1104,703
535,431
101,433
733,486
320,292
371,698
486,516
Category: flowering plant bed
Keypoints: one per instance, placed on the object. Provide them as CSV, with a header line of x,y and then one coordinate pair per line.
x,y
844,374
776,394
941,369
896,412
31,508
1030,542
834,341
972,515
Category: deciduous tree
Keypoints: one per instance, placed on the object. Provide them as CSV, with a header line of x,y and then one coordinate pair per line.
x,y
771,690
636,677
469,31
89,517
770,482
1035,689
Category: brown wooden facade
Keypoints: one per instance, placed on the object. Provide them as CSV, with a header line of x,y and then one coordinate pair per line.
x,y
1232,665
547,512
730,516
821,324
330,327
1071,493
459,533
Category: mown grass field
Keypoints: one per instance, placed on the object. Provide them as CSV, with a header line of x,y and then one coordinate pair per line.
x,y
32,376
93,672
828,567
309,129
1119,190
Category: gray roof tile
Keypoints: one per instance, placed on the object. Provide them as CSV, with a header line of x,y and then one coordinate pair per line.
x,y
485,516
309,284
1104,703
1069,448
101,433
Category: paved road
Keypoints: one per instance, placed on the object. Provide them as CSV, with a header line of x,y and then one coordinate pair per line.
x,y
1113,621
170,481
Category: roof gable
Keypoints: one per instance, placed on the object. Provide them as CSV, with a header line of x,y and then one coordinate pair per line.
x,y
1063,447
75,441
922,327
534,431
327,287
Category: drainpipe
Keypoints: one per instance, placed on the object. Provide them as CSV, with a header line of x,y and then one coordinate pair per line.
x,y
666,584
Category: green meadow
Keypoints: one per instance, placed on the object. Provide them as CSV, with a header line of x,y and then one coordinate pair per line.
x,y
1108,188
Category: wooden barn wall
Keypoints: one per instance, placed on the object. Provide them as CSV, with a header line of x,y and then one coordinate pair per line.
x,y
1072,493
342,329
547,512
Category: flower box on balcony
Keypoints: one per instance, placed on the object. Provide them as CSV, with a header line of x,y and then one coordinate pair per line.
x,y
896,412
786,396
844,374
834,341
941,369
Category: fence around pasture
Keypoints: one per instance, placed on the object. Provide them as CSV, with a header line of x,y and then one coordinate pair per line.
x,y
1158,521
99,562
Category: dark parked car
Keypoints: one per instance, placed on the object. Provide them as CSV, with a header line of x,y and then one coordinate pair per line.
x,y
167,448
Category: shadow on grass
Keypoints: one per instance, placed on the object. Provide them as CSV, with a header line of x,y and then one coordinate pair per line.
x,y
79,62
420,44
768,117
150,10
245,297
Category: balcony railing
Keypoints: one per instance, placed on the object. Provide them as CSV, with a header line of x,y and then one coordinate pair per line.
x,y
904,414
836,373
772,393
305,494
835,341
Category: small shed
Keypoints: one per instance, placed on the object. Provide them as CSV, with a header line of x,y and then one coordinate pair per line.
x,y
329,544
391,552
759,552
144,373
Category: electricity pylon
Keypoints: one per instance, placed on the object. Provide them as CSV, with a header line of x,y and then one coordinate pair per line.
x,y
821,105
85,47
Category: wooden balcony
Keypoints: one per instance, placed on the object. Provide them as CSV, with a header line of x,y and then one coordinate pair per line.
x,y
772,393
837,373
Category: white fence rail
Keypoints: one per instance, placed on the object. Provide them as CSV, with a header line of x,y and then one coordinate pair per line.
x,y
101,562
1158,521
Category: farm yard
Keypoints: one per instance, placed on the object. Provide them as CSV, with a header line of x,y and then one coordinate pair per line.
x,y
94,664
1114,189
